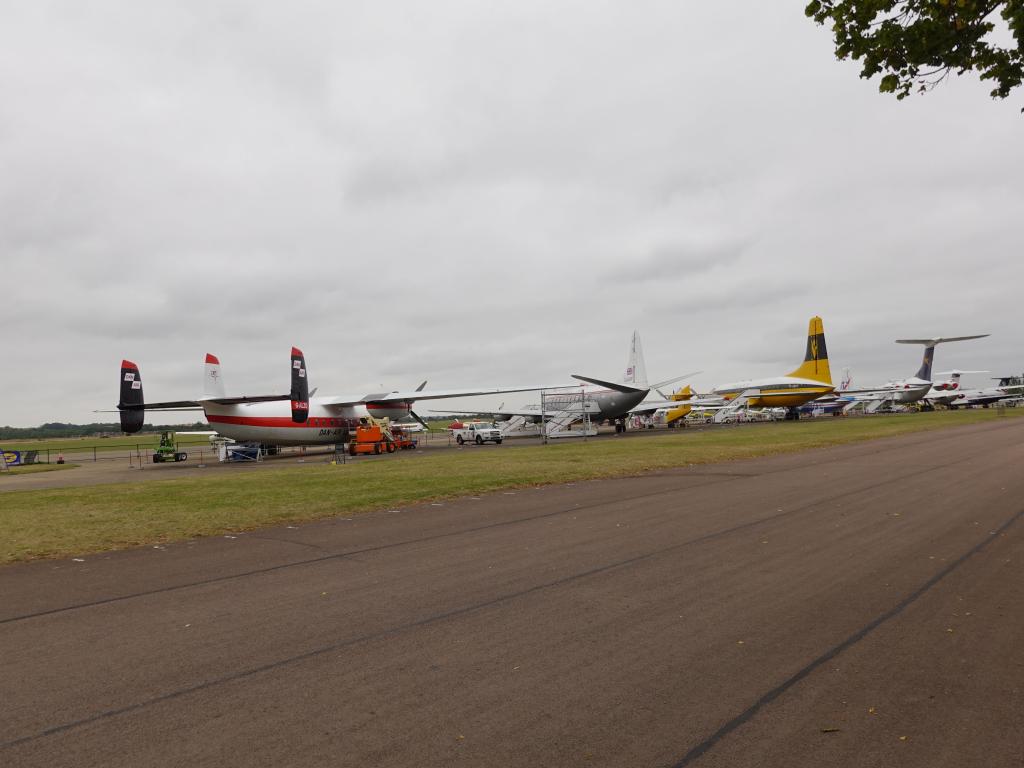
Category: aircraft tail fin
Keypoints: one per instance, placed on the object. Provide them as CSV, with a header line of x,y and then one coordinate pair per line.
x,y
636,368
131,402
213,383
300,387
925,371
815,364
683,393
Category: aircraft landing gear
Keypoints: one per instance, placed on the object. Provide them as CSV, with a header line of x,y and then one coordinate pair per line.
x,y
792,414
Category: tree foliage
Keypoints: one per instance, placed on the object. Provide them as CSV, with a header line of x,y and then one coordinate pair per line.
x,y
916,44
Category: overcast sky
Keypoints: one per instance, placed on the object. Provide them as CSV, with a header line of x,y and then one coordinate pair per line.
x,y
481,194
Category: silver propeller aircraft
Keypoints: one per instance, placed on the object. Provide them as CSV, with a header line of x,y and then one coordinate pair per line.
x,y
606,400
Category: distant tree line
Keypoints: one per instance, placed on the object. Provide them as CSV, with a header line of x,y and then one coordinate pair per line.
x,y
59,429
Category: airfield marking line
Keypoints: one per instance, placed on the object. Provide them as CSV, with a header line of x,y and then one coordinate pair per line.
x,y
335,556
465,610
700,749
277,540
381,634
464,531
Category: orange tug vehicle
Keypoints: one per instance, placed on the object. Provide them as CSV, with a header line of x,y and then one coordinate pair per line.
x,y
375,439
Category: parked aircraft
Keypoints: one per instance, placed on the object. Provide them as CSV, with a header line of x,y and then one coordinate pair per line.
x,y
672,408
913,388
983,397
283,419
950,392
945,392
809,381
604,401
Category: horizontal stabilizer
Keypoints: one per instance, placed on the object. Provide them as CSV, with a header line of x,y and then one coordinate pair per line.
x,y
624,388
173,405
940,340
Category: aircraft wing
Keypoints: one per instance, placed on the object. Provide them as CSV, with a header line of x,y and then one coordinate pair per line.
x,y
881,391
624,388
526,412
425,394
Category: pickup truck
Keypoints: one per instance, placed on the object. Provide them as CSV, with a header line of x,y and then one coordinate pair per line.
x,y
478,432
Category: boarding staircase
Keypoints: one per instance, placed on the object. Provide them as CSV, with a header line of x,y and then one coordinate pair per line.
x,y
570,419
572,422
875,405
732,409
517,426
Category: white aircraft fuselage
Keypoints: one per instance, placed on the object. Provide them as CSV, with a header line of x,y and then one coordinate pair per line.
x,y
966,397
271,423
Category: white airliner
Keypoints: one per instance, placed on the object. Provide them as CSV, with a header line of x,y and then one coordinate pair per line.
x,y
913,388
951,394
285,419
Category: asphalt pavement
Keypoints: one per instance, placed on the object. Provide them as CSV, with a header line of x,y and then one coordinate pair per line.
x,y
853,606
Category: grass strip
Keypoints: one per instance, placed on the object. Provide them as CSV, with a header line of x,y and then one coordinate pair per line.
x,y
32,469
67,521
85,444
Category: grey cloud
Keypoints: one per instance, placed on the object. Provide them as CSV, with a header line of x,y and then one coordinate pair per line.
x,y
480,194
680,262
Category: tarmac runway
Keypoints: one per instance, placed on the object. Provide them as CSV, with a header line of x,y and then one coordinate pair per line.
x,y
855,606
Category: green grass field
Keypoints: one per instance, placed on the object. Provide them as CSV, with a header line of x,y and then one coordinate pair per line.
x,y
62,522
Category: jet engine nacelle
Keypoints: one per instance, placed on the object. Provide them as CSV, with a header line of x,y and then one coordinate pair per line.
x,y
393,411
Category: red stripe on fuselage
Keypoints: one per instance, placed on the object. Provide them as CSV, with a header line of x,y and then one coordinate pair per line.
x,y
257,421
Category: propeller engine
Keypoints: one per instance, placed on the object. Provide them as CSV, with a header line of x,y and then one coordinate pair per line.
x,y
396,410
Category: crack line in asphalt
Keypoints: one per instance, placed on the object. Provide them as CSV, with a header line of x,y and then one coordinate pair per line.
x,y
340,555
700,749
430,620
449,534
381,634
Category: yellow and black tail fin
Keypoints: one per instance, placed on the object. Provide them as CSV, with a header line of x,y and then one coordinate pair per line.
x,y
815,365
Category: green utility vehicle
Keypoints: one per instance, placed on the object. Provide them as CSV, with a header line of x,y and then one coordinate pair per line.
x,y
167,451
